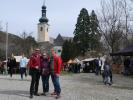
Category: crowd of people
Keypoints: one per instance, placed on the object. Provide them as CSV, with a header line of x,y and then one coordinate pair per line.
x,y
44,65
40,64
75,67
104,68
99,66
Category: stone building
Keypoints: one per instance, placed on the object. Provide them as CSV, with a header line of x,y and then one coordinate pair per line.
x,y
45,42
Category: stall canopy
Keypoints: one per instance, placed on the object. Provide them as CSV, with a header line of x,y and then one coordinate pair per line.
x,y
128,51
88,59
71,61
74,61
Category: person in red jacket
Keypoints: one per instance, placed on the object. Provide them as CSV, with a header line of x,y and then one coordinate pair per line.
x,y
55,69
34,71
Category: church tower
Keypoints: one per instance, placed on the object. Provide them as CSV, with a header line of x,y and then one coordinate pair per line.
x,y
43,26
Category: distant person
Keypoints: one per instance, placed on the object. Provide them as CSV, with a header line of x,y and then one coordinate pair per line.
x,y
55,69
45,73
126,66
34,71
131,65
23,66
11,64
107,74
99,65
96,66
79,66
1,67
102,67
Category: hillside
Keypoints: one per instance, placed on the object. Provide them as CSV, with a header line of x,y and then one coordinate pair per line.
x,y
16,44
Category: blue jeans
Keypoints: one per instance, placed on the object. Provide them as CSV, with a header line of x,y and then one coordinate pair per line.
x,y
56,83
45,83
23,71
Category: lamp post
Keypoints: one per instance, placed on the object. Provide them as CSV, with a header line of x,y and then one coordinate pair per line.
x,y
6,47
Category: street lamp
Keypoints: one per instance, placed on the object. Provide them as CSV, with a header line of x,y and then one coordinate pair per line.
x,y
6,47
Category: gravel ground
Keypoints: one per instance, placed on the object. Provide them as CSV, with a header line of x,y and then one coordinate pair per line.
x,y
74,87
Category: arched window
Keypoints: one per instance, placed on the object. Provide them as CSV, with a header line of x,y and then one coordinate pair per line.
x,y
41,28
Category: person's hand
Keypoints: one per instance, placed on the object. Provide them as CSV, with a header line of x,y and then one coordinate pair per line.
x,y
57,75
37,67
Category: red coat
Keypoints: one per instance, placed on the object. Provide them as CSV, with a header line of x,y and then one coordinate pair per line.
x,y
35,60
57,64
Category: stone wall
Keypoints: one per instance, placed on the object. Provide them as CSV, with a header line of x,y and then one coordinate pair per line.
x,y
117,68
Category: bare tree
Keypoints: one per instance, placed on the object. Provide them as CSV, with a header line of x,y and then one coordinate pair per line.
x,y
127,20
24,35
111,23
1,26
27,43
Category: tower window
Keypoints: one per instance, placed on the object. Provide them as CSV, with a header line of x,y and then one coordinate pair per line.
x,y
59,51
41,28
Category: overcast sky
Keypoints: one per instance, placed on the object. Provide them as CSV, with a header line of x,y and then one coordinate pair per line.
x,y
23,15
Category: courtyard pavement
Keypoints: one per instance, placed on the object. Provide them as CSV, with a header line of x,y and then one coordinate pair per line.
x,y
84,86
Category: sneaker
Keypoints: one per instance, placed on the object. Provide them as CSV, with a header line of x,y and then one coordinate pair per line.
x,y
42,93
54,93
46,93
31,96
36,94
109,84
57,97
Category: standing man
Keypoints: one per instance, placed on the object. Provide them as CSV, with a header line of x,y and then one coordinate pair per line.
x,y
11,64
34,71
23,66
55,69
126,66
96,66
107,72
100,65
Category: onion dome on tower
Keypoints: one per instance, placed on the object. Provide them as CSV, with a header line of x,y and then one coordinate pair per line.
x,y
43,19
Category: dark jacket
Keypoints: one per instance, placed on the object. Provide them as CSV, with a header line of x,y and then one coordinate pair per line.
x,y
126,63
45,66
11,63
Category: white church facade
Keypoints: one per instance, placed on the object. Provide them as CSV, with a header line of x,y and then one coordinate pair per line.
x,y
43,26
44,40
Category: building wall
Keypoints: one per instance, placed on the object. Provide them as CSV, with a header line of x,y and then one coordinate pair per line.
x,y
43,35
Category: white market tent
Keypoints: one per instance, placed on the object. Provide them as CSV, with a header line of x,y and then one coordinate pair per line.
x,y
76,60
71,61
88,59
18,58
